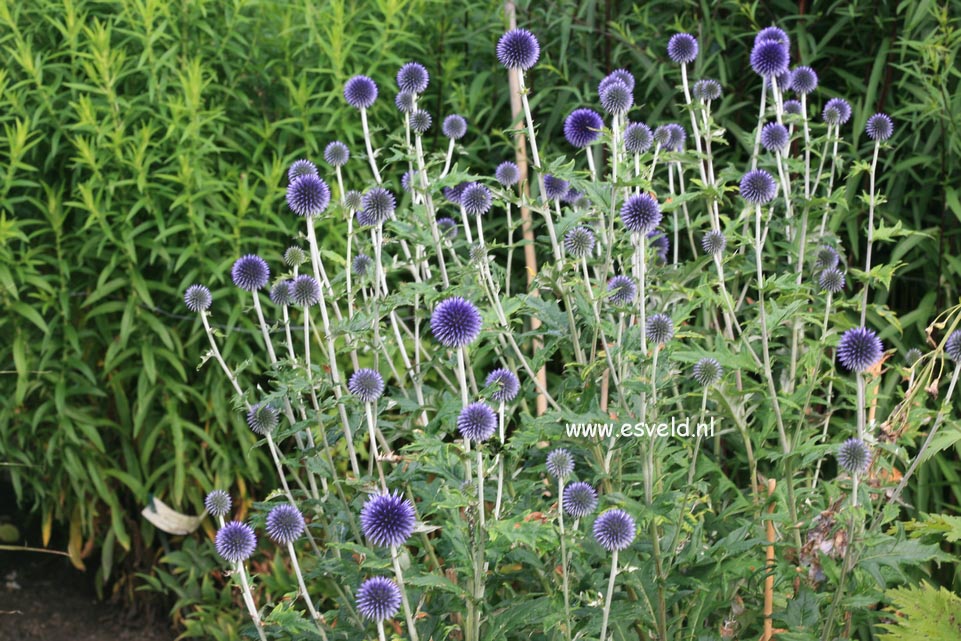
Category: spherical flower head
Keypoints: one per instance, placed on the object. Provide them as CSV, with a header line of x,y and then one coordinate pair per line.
x,y
378,599
621,290
360,92
294,256
682,48
413,77
804,80
280,293
506,383
616,97
453,194
576,199
912,356
582,127
360,264
407,180
507,173
235,542
707,371
880,127
555,188
676,136
477,422
640,213
475,199
831,280
305,291
769,59
638,138
518,49
659,243
714,242
455,322
377,205
854,456
454,127
660,328
706,90
774,137
622,75
405,101
758,187
420,121
614,530
250,272
218,503
336,154
387,519
262,419
662,136
953,346
826,257
197,298
837,111
447,227
773,34
579,242
308,195
792,107
859,349
579,500
366,384
353,200
560,464
285,524
300,168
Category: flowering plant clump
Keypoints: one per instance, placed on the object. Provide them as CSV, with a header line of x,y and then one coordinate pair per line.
x,y
687,390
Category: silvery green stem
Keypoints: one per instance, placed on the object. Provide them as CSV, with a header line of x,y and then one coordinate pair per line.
x,y
824,154
500,461
220,359
642,292
760,123
510,250
303,590
590,162
709,162
564,578
657,350
462,379
694,128
249,600
615,148
307,342
786,188
374,458
650,171
263,327
610,594
370,148
860,408
687,216
466,222
408,613
290,341
867,260
807,147
480,486
670,188
450,154
431,213
380,631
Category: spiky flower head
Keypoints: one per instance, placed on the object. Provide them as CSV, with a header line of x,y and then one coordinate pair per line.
x,y
659,243
454,126
555,188
413,77
831,280
475,199
953,346
197,298
621,290
405,101
660,328
448,227
837,111
377,205
420,121
262,419
518,49
309,195
300,168
576,199
619,75
218,503
453,194
477,422
360,264
792,107
854,456
676,136
773,34
366,384
582,127
682,48
637,138
714,242
407,180
455,322
507,173
579,500
880,127
707,371
280,293
859,349
560,463
579,242
378,598
774,137
285,524
388,519
353,200
507,385
912,356
769,59
826,257
640,213
758,187
294,256
336,154
616,97
305,291
614,530
706,90
804,80
235,542
250,272
360,92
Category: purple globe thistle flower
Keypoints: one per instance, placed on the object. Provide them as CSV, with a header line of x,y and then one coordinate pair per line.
x,y
714,242
197,298
388,519
300,168
555,188
682,48
706,90
576,199
707,371
676,136
420,121
336,154
621,290
826,257
640,213
579,242
623,75
758,187
262,419
792,107
455,322
831,280
953,346
880,127
413,77
659,243
859,349
280,294
769,59
804,80
477,422
218,503
772,34
308,195
579,500
285,524
560,464
507,173
837,111
250,272
377,205
447,227
854,457
407,180
305,291
294,256
662,136
507,385
454,127
616,97
360,264
582,127
774,137
405,101
660,328
360,92
518,49
475,199
637,138
235,542
614,530
378,599
453,194
366,384
353,200
912,356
